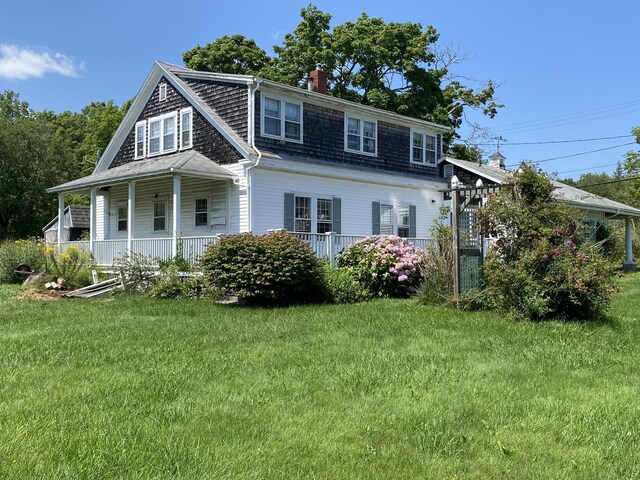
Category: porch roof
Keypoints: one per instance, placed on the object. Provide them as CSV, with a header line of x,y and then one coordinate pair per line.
x,y
572,196
184,163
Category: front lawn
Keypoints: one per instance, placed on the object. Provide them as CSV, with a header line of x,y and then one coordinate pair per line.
x,y
141,388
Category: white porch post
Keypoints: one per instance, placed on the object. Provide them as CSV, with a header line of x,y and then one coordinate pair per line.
x,y
628,265
92,218
131,208
176,213
60,219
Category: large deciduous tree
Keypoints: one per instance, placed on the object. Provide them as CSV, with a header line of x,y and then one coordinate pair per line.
x,y
395,66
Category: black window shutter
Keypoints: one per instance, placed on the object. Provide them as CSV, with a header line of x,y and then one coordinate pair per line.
x,y
375,218
337,215
289,213
412,221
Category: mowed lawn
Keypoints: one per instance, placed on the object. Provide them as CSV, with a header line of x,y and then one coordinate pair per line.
x,y
141,388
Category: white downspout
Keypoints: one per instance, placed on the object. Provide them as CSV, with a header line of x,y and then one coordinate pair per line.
x,y
252,138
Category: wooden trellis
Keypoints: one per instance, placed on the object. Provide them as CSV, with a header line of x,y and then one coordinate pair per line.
x,y
467,239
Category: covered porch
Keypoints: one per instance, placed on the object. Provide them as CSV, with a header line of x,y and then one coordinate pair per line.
x,y
156,208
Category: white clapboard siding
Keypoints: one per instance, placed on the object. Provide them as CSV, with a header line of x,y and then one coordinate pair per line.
x,y
270,186
149,191
99,234
238,202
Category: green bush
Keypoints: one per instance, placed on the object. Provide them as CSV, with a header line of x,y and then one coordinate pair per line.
x,y
137,271
172,283
14,253
276,268
540,267
386,265
342,286
437,268
73,265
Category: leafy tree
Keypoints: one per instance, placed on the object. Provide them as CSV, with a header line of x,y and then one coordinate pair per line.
x,y
632,169
228,54
394,66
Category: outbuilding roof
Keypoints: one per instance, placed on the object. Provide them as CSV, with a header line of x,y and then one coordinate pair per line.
x,y
572,196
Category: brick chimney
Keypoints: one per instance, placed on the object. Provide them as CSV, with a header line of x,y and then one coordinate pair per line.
x,y
320,79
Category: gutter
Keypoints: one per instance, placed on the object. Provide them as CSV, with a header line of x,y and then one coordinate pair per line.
x,y
252,139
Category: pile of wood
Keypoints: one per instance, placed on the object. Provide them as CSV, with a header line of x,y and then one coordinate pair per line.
x,y
57,284
96,289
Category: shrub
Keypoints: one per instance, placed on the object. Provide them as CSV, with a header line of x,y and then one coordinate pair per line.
x,y
437,269
172,283
73,265
540,267
276,268
386,265
342,286
14,253
137,271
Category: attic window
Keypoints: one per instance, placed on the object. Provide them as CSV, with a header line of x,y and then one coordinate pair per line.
x,y
448,171
141,128
185,128
162,134
162,92
423,148
281,119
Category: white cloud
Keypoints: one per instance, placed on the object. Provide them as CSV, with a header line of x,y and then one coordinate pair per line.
x,y
19,63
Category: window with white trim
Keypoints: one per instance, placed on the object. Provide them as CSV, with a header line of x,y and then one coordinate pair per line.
x,y
404,222
324,215
386,219
281,118
162,92
160,216
360,135
303,214
423,148
162,134
141,128
186,115
122,215
201,209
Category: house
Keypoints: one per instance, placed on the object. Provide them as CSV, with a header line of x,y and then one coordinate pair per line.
x,y
596,210
76,225
203,154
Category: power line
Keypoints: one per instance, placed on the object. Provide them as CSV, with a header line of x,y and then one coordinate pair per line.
x,y
609,182
559,141
588,168
577,154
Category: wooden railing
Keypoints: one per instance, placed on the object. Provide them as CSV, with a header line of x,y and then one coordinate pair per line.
x,y
107,252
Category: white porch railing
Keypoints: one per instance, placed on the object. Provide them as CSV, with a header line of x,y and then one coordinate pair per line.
x,y
107,252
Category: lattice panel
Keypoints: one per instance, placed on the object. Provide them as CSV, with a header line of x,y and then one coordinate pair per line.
x,y
469,237
470,272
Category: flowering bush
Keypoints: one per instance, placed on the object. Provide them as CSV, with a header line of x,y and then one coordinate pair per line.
x,y
73,265
387,265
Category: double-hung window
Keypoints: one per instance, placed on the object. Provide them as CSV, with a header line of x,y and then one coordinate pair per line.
x,y
324,215
122,218
313,214
162,134
281,119
423,148
160,216
361,135
201,211
303,214
141,128
186,115
403,222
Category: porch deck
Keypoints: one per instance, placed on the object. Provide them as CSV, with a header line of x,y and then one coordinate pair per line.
x,y
107,252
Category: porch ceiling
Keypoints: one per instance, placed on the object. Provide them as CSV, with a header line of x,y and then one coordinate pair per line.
x,y
190,163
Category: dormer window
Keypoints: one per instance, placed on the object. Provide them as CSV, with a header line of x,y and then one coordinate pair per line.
x,y
162,92
281,119
423,148
360,135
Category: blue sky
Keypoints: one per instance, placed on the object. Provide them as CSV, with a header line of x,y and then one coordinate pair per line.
x,y
566,70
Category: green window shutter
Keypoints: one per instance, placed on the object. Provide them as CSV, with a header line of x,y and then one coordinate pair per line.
x,y
289,211
375,218
337,215
412,221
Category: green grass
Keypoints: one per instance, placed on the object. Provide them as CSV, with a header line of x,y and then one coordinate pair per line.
x,y
140,388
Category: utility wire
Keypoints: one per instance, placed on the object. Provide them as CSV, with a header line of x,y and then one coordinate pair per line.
x,y
577,154
555,141
609,182
588,168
